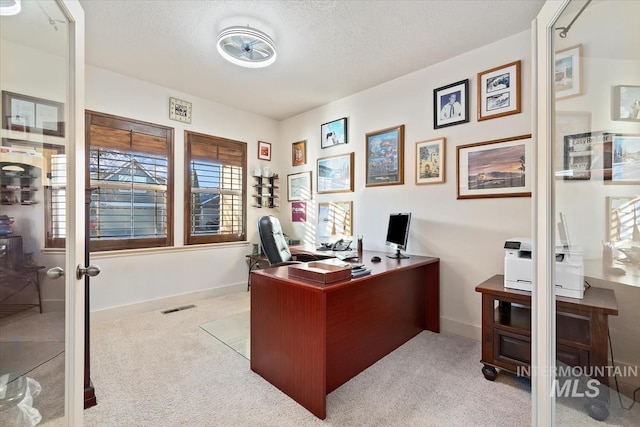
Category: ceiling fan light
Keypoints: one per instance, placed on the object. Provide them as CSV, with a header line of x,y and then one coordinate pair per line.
x,y
246,47
10,7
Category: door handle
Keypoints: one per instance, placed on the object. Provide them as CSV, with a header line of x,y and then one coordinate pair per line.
x,y
55,273
91,271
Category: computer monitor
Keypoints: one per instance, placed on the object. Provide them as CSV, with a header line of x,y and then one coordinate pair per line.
x,y
398,233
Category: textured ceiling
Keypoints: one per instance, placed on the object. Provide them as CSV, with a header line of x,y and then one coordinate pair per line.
x,y
326,49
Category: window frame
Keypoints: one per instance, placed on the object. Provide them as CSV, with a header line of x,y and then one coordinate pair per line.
x,y
138,127
190,239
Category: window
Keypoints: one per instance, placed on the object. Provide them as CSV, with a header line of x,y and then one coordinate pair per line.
x,y
130,172
215,177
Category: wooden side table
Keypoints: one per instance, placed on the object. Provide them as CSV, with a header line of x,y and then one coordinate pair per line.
x,y
582,328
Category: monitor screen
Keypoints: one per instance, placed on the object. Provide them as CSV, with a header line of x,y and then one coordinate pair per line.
x,y
398,230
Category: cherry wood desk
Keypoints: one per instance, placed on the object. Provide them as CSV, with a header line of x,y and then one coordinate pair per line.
x,y
308,338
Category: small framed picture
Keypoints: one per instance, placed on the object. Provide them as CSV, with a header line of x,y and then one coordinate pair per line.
x,y
299,153
334,133
499,91
264,150
568,72
430,161
451,104
587,154
385,157
626,103
25,113
179,110
495,168
625,163
335,174
299,186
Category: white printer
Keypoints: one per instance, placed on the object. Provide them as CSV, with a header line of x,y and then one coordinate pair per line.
x,y
518,268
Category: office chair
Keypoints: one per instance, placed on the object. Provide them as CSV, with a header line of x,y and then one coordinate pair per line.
x,y
274,244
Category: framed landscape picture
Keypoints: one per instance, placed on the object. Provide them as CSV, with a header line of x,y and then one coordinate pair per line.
x,y
625,164
299,186
335,174
451,104
430,161
385,157
495,168
568,72
333,133
499,91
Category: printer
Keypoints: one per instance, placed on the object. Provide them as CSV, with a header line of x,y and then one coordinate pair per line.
x,y
518,268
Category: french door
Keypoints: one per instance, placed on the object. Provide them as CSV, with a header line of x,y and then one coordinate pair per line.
x,y
42,79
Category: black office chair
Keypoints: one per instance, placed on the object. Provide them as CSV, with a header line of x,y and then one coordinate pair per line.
x,y
274,244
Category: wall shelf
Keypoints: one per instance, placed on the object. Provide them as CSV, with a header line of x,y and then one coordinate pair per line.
x,y
265,191
16,184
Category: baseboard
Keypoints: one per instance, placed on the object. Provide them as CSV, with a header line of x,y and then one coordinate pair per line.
x,y
456,327
163,303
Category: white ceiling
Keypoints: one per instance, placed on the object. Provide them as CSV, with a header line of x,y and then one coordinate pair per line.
x,y
326,49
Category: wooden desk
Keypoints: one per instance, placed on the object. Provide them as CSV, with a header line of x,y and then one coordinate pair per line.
x,y
308,339
581,328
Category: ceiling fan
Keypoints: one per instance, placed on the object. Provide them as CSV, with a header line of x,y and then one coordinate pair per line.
x,y
246,47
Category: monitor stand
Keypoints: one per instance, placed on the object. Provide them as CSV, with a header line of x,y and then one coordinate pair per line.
x,y
398,255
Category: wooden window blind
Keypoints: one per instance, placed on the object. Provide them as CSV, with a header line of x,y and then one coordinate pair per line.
x,y
215,188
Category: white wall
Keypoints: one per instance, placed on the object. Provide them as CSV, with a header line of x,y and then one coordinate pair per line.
x,y
139,277
467,235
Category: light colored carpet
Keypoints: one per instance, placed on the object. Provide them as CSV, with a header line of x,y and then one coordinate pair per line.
x,y
233,331
165,370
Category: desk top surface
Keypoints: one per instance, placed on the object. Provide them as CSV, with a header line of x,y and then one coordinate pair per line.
x,y
385,266
600,298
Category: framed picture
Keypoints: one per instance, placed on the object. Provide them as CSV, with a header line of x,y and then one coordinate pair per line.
x,y
299,212
586,154
299,153
33,115
625,160
430,161
568,72
451,104
621,218
334,133
335,174
335,218
385,157
179,110
264,150
626,103
299,186
495,168
499,91
568,123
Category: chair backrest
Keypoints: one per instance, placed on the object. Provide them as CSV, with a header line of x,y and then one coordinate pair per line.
x,y
274,245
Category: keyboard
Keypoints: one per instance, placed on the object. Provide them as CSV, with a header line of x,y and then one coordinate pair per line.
x,y
346,255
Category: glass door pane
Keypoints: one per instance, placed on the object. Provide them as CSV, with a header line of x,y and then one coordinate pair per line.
x,y
37,136
596,208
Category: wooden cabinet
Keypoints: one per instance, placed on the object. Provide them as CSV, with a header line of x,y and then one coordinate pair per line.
x,y
17,184
265,191
581,328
